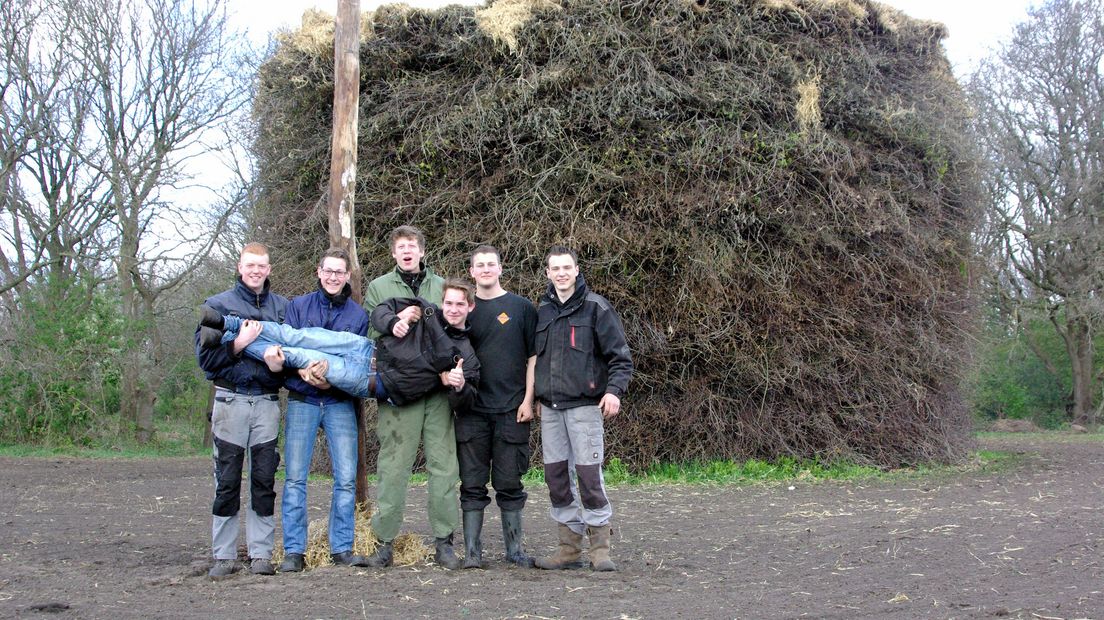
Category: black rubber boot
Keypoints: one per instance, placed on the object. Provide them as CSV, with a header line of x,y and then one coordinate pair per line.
x,y
511,536
383,555
473,545
446,555
209,317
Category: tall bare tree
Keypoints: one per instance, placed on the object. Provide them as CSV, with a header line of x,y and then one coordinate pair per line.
x,y
166,90
119,132
53,202
1040,116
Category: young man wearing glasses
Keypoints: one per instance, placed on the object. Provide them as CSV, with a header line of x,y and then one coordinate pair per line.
x,y
312,402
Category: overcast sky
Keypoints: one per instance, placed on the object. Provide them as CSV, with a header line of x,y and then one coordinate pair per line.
x,y
974,26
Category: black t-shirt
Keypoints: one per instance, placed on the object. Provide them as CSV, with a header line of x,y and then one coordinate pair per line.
x,y
502,331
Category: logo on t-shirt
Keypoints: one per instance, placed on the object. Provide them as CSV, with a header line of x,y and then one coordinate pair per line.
x,y
503,318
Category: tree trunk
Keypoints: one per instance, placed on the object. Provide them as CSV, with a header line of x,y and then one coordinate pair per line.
x,y
128,306
151,378
1080,347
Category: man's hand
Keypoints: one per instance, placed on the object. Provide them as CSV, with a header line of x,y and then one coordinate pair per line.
x,y
456,376
609,405
401,328
249,331
525,412
410,314
274,358
315,374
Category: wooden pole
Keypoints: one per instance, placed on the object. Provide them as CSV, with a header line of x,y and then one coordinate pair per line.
x,y
343,177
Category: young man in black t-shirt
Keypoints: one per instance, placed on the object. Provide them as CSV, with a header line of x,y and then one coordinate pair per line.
x,y
492,440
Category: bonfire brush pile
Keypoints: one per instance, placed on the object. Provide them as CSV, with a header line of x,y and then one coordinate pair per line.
x,y
777,195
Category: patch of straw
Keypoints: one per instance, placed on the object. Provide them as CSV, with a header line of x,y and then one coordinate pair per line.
x,y
315,36
808,104
408,548
889,18
504,18
782,5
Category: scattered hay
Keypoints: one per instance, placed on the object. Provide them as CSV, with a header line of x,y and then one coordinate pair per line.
x,y
889,18
408,548
782,5
318,543
850,8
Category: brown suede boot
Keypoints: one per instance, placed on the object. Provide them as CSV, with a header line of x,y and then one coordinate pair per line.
x,y
600,548
567,556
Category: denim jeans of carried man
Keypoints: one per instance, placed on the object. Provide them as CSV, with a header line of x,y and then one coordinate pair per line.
x,y
348,355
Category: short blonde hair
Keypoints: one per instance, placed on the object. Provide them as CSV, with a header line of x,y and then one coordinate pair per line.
x,y
253,247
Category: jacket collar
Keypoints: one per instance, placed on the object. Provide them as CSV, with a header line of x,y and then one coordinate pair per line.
x,y
246,293
573,301
340,298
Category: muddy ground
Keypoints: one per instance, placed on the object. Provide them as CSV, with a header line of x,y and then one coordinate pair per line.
x,y
129,539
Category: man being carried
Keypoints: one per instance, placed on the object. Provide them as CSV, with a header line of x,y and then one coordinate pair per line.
x,y
399,371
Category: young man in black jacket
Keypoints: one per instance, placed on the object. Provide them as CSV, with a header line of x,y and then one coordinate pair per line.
x,y
245,419
583,369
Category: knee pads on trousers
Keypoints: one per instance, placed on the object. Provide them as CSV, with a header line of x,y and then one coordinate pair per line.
x,y
262,483
228,470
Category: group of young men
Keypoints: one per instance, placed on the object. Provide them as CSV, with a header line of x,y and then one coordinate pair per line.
x,y
568,361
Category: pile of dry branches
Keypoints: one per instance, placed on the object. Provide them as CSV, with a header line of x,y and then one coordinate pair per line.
x,y
777,196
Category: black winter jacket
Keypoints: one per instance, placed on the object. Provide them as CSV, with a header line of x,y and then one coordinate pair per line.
x,y
410,367
239,372
582,352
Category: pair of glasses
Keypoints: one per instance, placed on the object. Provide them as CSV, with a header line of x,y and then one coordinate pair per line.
x,y
330,273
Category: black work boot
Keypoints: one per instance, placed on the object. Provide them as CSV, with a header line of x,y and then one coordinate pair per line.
x,y
209,317
382,557
348,558
473,546
261,566
511,535
446,555
209,337
293,563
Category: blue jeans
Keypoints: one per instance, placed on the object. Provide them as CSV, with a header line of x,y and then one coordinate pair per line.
x,y
338,420
348,355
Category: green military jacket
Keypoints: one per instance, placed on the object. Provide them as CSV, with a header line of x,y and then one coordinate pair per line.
x,y
391,285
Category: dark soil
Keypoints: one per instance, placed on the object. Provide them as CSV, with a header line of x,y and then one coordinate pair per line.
x,y
129,538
